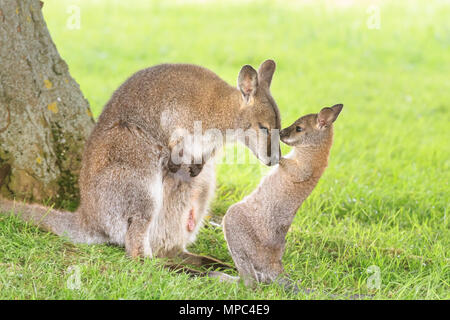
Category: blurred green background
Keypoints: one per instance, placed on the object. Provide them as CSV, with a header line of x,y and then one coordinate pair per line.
x,y
384,198
394,81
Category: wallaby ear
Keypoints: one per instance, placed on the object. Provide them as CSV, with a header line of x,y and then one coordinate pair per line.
x,y
265,72
247,82
328,115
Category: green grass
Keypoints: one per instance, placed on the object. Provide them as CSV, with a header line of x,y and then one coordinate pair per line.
x,y
384,198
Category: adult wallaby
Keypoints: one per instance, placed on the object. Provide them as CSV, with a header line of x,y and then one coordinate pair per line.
x,y
131,193
255,228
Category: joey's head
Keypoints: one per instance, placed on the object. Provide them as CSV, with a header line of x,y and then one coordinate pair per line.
x,y
259,117
312,129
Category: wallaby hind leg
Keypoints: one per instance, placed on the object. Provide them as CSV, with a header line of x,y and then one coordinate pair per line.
x,y
241,245
136,240
129,206
203,261
144,208
178,268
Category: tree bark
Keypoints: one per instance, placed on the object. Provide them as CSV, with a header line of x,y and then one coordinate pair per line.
x,y
44,118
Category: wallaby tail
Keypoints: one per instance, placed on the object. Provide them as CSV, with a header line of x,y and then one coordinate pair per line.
x,y
62,223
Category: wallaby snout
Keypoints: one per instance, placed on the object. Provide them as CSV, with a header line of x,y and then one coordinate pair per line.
x,y
259,114
283,134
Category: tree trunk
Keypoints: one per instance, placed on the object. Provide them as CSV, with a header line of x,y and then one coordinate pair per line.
x,y
44,118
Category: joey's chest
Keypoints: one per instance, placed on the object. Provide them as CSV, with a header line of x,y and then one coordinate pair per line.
x,y
281,191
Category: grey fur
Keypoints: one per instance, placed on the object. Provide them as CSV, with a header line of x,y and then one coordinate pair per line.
x,y
129,196
255,228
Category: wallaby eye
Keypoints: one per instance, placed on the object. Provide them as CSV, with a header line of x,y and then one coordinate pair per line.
x,y
263,128
299,129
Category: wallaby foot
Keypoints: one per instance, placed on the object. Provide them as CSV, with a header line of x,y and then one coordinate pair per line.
x,y
223,277
203,261
136,242
177,268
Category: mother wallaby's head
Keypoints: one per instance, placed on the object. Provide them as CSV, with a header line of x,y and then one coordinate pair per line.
x,y
259,117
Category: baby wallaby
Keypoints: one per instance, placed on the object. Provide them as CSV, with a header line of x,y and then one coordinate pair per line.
x,y
255,228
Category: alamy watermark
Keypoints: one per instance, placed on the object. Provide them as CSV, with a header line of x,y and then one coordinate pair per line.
x,y
197,145
374,280
374,17
74,280
74,20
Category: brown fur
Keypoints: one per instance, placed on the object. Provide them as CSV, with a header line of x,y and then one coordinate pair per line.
x,y
129,196
255,228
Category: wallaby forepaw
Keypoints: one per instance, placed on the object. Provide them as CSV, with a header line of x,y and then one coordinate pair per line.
x,y
173,167
195,169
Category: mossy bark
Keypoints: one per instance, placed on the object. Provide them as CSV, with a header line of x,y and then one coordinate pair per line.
x,y
44,118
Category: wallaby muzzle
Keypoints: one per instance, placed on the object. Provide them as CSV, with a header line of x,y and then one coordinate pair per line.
x,y
284,134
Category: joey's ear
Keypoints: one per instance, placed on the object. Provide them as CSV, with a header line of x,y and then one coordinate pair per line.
x,y
328,115
265,72
247,82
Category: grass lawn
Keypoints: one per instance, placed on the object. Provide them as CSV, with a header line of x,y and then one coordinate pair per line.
x,y
383,202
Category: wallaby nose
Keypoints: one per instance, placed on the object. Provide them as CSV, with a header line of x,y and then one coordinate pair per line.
x,y
283,134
